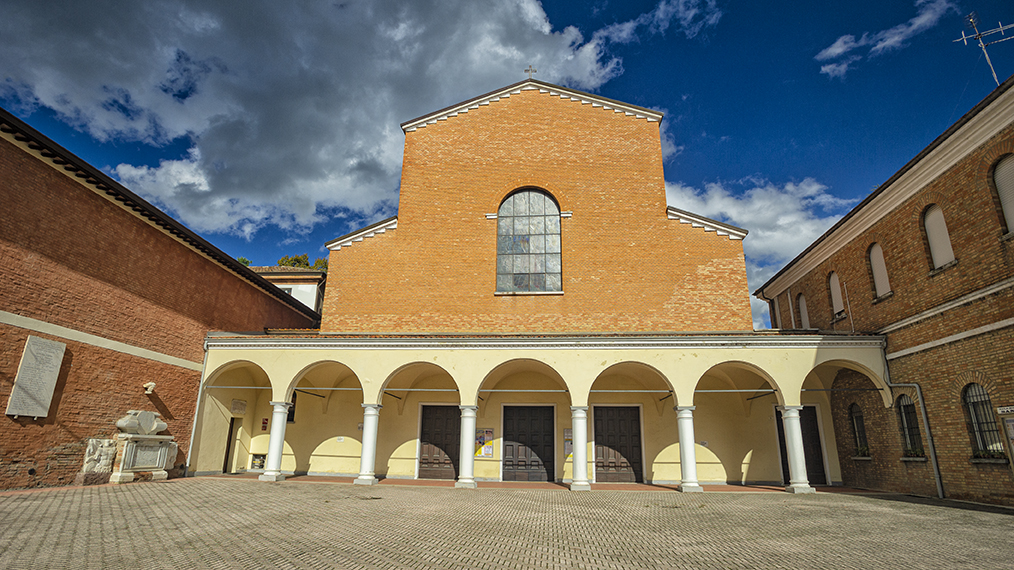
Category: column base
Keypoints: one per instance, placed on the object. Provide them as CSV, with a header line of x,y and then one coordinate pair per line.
x,y
121,477
690,488
159,475
580,486
465,484
370,480
272,477
800,489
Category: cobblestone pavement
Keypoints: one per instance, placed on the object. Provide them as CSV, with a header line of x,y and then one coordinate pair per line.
x,y
221,523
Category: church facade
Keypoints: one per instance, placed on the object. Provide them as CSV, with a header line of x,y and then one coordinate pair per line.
x,y
535,312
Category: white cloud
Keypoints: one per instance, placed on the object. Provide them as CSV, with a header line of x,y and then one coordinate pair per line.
x,y
782,220
928,14
292,112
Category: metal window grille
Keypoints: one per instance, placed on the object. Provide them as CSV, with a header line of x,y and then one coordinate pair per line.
x,y
910,435
858,430
982,426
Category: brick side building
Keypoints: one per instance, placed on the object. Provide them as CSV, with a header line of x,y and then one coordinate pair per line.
x,y
129,291
926,260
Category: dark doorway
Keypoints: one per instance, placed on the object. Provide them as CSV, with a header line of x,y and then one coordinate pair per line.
x,y
528,443
812,450
440,442
227,464
617,445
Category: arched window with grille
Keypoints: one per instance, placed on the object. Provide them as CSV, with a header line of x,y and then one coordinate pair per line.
x,y
910,436
1003,180
528,243
985,435
937,237
837,306
858,431
804,317
879,270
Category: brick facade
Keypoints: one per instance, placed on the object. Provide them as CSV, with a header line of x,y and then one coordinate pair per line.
x,y
73,257
626,266
984,263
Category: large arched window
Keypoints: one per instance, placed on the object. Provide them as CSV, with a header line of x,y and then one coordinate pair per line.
x,y
910,436
837,306
936,235
1003,180
528,243
858,431
982,428
804,317
879,270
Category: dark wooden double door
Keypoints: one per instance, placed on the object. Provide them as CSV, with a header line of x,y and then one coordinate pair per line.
x,y
618,445
440,442
813,451
528,443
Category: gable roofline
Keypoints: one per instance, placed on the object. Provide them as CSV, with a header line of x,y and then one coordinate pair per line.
x,y
857,219
708,224
359,235
60,158
531,84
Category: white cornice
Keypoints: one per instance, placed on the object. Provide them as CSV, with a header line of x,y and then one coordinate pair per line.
x,y
552,91
709,225
702,342
361,235
959,145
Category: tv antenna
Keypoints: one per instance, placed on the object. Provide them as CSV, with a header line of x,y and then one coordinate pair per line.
x,y
972,23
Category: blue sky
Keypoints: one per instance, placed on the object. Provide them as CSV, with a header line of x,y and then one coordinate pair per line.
x,y
271,128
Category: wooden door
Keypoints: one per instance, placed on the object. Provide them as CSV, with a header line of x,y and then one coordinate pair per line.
x,y
813,451
618,445
528,443
440,442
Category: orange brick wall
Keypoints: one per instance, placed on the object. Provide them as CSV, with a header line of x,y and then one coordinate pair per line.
x,y
626,266
985,256
72,258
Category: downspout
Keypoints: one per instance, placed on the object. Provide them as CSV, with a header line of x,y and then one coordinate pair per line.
x,y
925,422
197,408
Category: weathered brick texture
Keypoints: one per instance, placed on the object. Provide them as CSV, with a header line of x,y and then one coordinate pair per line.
x,y
626,266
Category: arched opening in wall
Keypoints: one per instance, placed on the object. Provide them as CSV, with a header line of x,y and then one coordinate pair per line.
x,y
1003,186
908,424
804,316
420,424
528,249
524,410
633,425
737,441
987,442
322,435
878,271
937,238
834,292
234,420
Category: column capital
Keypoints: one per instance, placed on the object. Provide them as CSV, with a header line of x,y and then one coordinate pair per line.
x,y
790,409
287,405
372,406
682,408
468,408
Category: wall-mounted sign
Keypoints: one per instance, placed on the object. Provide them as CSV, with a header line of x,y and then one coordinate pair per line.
x,y
1005,410
36,378
238,407
484,442
264,424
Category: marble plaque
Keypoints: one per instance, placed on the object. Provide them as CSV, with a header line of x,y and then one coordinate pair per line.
x,y
36,378
239,407
148,457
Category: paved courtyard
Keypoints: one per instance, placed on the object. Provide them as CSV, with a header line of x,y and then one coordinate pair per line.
x,y
223,523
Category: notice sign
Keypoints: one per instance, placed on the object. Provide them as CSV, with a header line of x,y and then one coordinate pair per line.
x,y
568,443
1005,410
484,443
36,378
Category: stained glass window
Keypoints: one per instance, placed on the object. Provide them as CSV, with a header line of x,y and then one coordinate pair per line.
x,y
528,243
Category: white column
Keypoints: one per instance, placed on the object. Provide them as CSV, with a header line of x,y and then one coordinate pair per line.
x,y
371,418
466,459
688,449
579,427
798,483
276,443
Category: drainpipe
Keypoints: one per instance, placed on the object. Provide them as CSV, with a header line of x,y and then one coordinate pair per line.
x,y
925,422
197,408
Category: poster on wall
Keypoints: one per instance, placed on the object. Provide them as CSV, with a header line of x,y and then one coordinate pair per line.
x,y
484,442
568,443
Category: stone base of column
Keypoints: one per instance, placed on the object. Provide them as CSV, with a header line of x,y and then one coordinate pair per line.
x,y
121,477
800,489
273,477
580,486
361,480
691,488
465,485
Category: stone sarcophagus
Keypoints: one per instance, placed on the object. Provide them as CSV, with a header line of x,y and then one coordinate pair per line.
x,y
139,450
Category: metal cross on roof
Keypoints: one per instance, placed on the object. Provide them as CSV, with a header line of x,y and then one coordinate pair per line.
x,y
530,71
